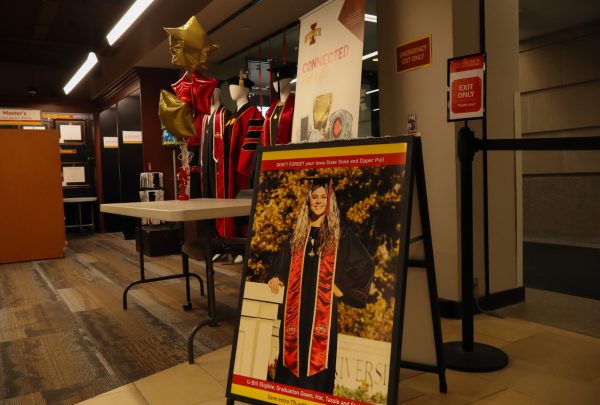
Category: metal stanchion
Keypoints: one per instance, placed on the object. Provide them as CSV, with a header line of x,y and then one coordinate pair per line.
x,y
469,355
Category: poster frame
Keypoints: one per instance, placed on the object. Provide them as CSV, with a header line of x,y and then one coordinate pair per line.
x,y
81,123
403,259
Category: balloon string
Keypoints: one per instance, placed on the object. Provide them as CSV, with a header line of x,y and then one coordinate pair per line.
x,y
191,77
269,60
260,97
284,43
185,157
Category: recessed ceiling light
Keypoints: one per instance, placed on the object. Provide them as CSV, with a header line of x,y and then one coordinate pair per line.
x,y
370,55
128,18
89,63
371,18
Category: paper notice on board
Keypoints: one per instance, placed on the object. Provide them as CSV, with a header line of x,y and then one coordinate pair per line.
x,y
70,133
111,142
74,174
132,136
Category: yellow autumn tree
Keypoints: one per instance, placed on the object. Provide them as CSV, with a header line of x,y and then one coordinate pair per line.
x,y
370,202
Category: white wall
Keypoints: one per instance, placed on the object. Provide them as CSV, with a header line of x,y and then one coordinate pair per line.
x,y
454,27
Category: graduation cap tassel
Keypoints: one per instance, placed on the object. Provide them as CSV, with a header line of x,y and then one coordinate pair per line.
x,y
329,192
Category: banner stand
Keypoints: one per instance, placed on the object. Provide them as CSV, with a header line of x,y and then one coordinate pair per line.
x,y
427,265
418,348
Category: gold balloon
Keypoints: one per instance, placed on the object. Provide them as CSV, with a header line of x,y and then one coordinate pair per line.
x,y
190,45
175,115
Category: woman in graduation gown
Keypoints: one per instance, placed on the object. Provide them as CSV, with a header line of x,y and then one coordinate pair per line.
x,y
320,265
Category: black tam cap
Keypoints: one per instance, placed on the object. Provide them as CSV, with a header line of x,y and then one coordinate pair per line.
x,y
241,81
315,182
283,71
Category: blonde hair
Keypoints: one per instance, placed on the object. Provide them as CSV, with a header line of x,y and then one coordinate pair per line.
x,y
329,232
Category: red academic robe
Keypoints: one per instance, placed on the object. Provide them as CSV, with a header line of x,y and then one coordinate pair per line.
x,y
243,132
284,126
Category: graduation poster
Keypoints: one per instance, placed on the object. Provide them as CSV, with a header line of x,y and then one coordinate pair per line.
x,y
329,72
320,292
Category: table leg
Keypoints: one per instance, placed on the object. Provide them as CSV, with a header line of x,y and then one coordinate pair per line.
x,y
186,274
142,273
210,281
80,218
210,277
92,212
185,264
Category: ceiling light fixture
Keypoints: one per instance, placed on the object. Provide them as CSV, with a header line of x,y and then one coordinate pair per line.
x,y
370,55
128,18
371,18
80,74
375,109
372,91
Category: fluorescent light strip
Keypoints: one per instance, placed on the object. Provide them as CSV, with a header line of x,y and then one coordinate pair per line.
x,y
372,91
128,18
370,55
80,74
371,18
375,109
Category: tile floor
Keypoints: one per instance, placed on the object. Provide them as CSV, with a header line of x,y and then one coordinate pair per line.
x,y
547,366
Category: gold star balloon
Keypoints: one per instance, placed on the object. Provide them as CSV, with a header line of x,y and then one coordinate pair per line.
x,y
190,45
175,115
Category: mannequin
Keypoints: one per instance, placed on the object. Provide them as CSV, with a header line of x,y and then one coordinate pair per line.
x,y
277,128
243,132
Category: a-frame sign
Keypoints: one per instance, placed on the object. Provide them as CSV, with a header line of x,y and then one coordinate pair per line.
x,y
338,291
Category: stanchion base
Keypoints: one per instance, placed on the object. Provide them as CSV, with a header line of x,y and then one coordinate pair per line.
x,y
482,358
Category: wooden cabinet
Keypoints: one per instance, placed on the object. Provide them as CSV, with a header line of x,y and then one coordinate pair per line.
x,y
31,200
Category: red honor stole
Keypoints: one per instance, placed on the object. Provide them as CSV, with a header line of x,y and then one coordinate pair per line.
x,y
284,126
319,345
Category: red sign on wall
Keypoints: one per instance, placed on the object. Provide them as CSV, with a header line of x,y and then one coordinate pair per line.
x,y
413,55
466,87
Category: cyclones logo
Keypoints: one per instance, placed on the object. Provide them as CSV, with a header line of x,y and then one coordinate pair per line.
x,y
320,330
312,34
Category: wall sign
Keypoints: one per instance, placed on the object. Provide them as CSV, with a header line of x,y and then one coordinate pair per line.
x,y
111,142
329,72
466,87
18,116
413,55
132,137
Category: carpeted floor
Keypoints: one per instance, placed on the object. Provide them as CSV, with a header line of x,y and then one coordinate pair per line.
x,y
64,336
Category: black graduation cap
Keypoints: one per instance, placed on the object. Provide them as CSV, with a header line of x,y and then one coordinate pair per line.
x,y
241,81
283,71
315,182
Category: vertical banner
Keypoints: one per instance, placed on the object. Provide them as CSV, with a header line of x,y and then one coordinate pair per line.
x,y
329,72
466,87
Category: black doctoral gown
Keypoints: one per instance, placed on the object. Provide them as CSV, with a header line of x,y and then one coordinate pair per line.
x,y
353,276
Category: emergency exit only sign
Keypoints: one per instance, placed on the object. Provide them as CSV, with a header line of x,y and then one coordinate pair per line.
x,y
466,87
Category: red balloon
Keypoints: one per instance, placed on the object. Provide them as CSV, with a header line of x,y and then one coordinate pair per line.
x,y
196,91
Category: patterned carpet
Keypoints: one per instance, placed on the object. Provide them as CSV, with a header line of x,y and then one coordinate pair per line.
x,y
64,336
